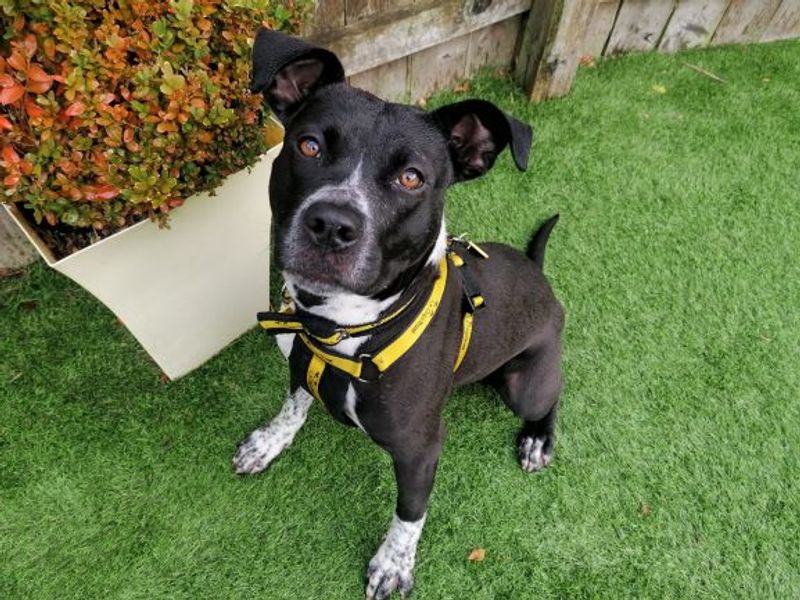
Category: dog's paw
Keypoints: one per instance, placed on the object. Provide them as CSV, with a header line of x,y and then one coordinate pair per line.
x,y
387,574
264,445
535,452
257,452
391,569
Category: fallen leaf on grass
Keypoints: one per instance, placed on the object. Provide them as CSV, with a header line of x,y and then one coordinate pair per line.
x,y
462,87
658,88
164,379
587,60
645,509
477,555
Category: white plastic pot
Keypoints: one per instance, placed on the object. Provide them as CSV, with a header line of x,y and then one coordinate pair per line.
x,y
188,291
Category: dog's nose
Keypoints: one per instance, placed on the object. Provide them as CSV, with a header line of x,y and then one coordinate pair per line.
x,y
331,225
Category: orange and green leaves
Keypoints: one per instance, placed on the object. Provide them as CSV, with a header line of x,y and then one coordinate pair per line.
x,y
109,110
10,89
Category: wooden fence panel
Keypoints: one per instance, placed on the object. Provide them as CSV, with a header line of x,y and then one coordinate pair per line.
x,y
369,44
437,67
639,25
493,46
329,14
600,26
358,10
785,23
693,24
386,81
414,77
745,21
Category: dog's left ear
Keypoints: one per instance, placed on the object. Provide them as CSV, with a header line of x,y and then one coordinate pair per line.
x,y
477,131
287,70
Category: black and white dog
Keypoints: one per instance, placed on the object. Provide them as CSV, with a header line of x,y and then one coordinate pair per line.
x,y
382,327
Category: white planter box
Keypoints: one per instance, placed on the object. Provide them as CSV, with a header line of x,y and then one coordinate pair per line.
x,y
188,291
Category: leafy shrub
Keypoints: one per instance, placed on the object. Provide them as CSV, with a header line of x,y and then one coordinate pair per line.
x,y
113,111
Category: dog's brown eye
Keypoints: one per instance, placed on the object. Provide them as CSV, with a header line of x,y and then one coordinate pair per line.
x,y
410,179
309,147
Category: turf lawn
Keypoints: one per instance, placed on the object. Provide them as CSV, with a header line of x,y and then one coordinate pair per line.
x,y
676,474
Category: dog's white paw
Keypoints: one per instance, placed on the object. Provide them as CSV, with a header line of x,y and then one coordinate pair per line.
x,y
533,453
264,445
257,452
392,567
385,577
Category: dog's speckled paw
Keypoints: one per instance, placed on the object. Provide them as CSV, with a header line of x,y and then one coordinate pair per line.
x,y
535,453
392,567
265,444
383,578
256,453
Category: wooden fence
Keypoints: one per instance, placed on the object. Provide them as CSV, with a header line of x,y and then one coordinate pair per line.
x,y
406,49
559,32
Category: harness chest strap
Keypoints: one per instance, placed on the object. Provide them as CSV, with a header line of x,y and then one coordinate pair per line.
x,y
286,322
388,355
384,359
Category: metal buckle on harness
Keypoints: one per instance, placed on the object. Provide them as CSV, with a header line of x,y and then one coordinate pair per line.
x,y
334,338
370,373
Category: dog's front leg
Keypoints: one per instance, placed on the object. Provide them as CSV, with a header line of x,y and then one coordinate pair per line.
x,y
263,445
391,569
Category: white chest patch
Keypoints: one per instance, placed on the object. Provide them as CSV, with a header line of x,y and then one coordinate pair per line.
x,y
350,400
440,247
344,308
285,342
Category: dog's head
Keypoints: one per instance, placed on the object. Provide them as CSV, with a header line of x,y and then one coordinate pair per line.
x,y
357,192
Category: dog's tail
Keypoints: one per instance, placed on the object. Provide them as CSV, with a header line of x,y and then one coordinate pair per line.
x,y
539,241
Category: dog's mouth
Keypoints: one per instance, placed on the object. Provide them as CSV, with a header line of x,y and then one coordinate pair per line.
x,y
348,269
324,267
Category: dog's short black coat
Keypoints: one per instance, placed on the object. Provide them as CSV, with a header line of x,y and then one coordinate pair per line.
x,y
371,237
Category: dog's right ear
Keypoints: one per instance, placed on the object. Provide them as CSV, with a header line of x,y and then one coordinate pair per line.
x,y
286,70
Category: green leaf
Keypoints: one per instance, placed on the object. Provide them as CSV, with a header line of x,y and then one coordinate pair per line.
x,y
183,9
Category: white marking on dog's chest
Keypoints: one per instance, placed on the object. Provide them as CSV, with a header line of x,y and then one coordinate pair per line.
x,y
440,248
345,308
350,400
342,308
285,342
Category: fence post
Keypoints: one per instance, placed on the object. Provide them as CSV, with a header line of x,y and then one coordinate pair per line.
x,y
551,46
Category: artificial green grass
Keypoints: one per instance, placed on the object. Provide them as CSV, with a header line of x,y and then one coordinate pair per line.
x,y
676,471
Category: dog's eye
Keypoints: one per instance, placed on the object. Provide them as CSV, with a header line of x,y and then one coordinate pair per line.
x,y
308,147
411,179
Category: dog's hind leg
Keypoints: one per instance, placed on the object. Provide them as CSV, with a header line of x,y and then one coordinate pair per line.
x,y
262,446
531,388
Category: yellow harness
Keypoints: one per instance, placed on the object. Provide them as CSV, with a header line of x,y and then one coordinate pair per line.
x,y
370,367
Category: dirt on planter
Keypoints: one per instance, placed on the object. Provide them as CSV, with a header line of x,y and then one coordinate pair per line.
x,y
63,240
